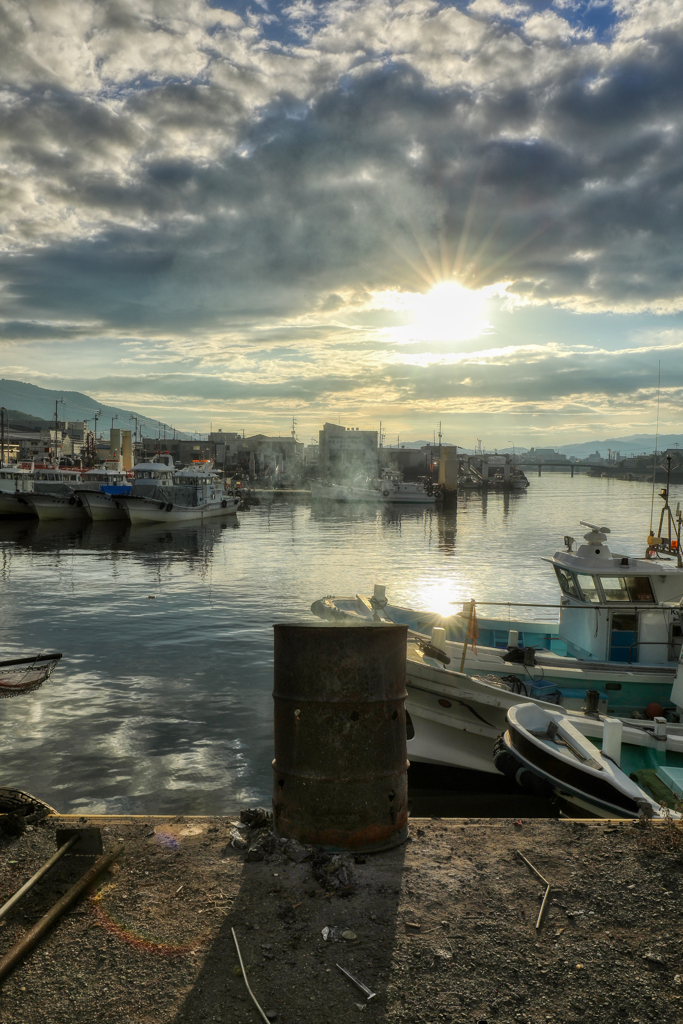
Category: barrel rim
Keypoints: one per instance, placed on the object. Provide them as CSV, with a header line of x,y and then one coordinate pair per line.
x,y
339,626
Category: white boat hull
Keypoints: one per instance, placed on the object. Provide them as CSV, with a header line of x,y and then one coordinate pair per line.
x,y
15,504
101,506
149,510
455,718
57,506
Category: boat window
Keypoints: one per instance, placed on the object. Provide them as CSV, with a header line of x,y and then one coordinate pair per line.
x,y
640,588
614,588
567,582
588,588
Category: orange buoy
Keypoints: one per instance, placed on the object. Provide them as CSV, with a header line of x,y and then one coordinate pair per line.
x,y
654,710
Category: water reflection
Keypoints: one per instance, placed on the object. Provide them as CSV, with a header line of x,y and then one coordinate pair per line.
x,y
162,701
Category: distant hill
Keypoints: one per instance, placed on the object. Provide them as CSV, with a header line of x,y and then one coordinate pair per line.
x,y
39,404
26,421
632,444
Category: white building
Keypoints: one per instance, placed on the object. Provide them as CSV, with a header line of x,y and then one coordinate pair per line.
x,y
344,450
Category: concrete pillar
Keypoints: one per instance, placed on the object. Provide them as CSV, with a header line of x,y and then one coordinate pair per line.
x,y
572,469
506,472
127,449
539,469
485,470
115,443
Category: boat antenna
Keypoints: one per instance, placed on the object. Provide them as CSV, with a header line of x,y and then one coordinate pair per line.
x,y
654,461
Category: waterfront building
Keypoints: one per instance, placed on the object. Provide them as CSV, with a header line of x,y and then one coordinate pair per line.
x,y
344,450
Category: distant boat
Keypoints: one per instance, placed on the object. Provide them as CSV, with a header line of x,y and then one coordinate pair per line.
x,y
16,483
386,490
162,495
19,675
54,495
101,486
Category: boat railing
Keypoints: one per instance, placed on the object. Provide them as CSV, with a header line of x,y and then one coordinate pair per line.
x,y
646,643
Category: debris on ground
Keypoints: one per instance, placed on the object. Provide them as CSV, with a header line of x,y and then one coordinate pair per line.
x,y
441,930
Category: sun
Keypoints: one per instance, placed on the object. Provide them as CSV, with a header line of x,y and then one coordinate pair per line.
x,y
448,312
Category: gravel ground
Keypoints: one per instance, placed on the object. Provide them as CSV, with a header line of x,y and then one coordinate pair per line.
x,y
442,928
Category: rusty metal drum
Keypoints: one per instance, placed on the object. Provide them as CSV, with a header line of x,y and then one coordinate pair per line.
x,y
340,767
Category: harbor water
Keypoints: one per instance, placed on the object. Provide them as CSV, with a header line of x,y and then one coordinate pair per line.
x,y
162,700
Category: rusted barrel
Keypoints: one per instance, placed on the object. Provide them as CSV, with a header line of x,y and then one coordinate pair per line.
x,y
340,735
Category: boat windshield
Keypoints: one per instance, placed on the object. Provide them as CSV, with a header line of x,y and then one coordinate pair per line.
x,y
588,588
627,588
567,583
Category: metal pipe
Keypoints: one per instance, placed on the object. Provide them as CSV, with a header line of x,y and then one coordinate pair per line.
x,y
32,937
619,605
27,886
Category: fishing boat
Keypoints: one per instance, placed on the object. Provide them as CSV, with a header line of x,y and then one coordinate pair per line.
x,y
54,496
20,675
546,752
101,486
389,490
619,629
619,637
162,495
16,483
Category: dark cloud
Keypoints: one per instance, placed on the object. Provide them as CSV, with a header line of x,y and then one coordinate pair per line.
x,y
184,170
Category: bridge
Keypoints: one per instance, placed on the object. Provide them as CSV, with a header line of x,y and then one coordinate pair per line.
x,y
559,464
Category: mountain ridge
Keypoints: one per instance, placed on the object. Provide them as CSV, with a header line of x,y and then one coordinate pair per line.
x,y
40,403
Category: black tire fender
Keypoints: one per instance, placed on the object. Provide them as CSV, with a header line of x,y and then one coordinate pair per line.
x,y
224,503
169,507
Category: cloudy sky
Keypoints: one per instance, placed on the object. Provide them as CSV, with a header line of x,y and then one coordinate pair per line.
x,y
356,210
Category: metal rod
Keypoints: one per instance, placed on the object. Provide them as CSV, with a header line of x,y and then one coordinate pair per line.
x,y
27,886
32,937
359,984
246,981
545,882
620,605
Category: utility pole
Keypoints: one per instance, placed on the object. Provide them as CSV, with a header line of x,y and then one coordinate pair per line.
x,y
3,413
54,452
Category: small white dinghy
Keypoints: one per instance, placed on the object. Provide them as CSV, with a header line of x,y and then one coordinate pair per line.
x,y
542,750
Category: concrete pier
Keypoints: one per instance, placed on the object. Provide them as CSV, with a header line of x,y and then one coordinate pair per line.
x,y
442,928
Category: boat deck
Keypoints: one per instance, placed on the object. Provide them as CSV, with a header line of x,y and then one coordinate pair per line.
x,y
442,928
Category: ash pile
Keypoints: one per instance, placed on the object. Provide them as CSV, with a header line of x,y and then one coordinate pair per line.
x,y
253,836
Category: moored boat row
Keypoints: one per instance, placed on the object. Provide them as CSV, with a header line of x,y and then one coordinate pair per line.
x,y
156,493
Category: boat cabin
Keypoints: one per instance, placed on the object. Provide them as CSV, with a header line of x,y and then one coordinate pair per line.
x,y
109,481
616,607
154,472
15,479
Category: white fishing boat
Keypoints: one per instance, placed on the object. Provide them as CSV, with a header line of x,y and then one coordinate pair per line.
x,y
16,483
20,675
454,718
101,486
619,630
54,494
388,490
161,495
546,752
459,692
